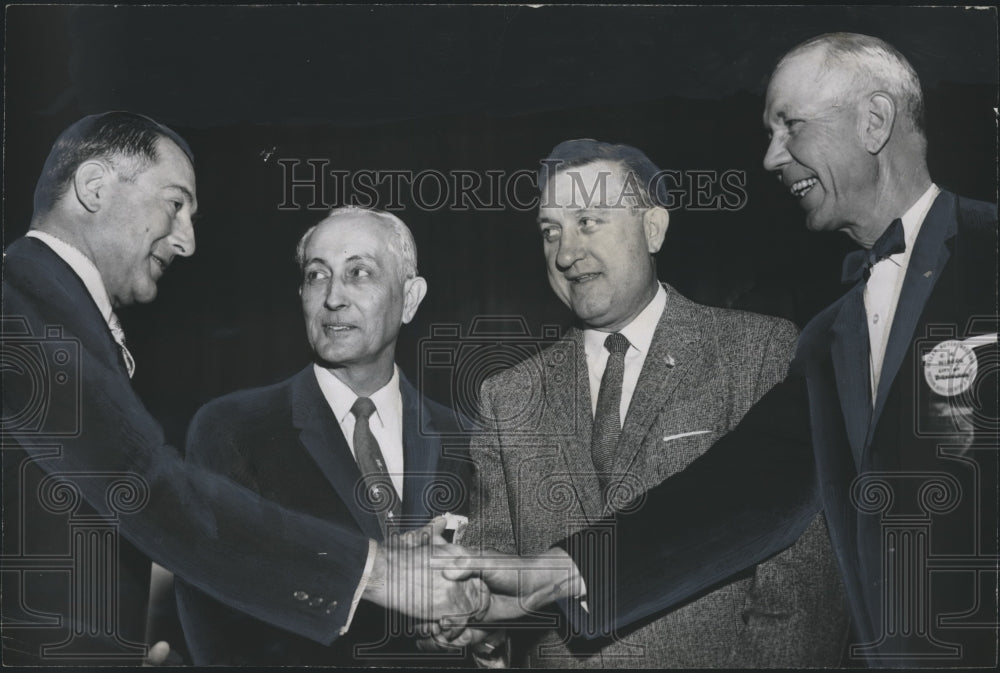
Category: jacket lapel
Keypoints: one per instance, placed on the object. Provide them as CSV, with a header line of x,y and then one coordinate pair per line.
x,y
421,453
673,356
568,362
323,439
931,251
850,353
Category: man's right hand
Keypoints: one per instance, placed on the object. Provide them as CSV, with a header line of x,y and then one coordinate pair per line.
x,y
407,577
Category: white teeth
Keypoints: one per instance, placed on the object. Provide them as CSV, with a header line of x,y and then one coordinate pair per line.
x,y
800,187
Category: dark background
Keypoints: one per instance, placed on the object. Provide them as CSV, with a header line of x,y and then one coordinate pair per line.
x,y
472,88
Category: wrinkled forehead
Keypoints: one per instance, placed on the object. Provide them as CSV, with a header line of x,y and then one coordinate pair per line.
x,y
599,184
805,82
337,239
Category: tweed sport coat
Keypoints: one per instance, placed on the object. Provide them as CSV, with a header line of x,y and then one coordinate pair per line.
x,y
537,483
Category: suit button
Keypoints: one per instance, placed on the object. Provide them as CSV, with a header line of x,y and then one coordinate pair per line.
x,y
300,596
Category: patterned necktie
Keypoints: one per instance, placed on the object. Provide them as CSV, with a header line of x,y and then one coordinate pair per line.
x,y
607,418
858,264
119,336
379,492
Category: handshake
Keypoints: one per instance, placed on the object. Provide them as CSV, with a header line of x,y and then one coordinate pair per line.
x,y
456,596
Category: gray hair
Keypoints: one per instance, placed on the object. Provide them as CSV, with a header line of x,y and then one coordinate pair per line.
x,y
875,63
401,243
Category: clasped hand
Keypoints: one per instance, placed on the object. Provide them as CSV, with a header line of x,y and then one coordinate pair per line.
x,y
459,597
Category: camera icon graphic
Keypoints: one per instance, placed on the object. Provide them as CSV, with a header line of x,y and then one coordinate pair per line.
x,y
41,381
459,362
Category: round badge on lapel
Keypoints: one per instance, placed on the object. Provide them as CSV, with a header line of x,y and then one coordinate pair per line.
x,y
950,368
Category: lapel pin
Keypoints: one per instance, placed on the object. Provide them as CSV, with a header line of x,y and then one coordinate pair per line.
x,y
928,274
669,361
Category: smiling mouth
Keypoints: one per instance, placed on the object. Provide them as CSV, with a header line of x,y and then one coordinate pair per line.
x,y
337,329
161,262
801,187
583,278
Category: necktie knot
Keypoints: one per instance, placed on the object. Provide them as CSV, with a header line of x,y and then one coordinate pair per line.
x,y
616,343
363,408
859,264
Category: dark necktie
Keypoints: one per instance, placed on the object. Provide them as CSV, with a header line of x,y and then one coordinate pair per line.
x,y
607,418
380,496
858,264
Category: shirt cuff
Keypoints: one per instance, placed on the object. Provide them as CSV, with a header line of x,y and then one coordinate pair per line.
x,y
362,585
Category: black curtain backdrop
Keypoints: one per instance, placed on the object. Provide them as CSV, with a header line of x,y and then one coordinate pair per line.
x,y
259,91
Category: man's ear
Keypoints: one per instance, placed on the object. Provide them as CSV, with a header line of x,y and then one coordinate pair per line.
x,y
654,222
90,181
879,116
414,290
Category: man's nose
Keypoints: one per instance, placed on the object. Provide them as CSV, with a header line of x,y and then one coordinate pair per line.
x,y
182,234
776,155
336,297
571,250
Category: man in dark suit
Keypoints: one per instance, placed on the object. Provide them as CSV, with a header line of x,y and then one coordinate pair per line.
x,y
681,375
297,442
91,490
888,419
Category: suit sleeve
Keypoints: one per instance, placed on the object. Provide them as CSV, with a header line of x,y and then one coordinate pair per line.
x,y
748,497
794,613
291,570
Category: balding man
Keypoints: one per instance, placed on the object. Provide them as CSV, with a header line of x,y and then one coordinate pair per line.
x,y
888,420
348,439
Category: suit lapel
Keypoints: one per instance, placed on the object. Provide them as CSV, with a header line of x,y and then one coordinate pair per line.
x,y
673,356
323,439
574,402
931,252
850,353
421,453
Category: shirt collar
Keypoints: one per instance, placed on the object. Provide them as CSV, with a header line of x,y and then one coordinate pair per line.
x,y
82,267
341,398
639,332
915,216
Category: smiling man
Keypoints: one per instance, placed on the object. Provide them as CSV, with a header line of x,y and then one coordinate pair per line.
x,y
92,491
641,387
348,439
888,420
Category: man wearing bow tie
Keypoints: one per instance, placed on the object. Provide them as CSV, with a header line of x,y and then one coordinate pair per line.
x,y
888,419
92,492
639,389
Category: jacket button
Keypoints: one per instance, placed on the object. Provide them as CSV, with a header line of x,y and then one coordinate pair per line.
x,y
300,596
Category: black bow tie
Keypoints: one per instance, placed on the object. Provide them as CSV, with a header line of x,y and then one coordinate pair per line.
x,y
859,263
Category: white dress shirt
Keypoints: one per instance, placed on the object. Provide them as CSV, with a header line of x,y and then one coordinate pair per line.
x,y
639,333
386,423
885,284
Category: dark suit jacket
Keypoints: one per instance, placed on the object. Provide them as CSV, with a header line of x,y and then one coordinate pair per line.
x,y
284,443
78,443
704,369
825,447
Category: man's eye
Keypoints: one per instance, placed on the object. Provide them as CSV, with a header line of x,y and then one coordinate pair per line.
x,y
177,205
360,272
588,222
550,234
315,275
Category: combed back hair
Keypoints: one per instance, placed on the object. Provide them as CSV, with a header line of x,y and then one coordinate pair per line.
x,y
631,161
877,64
125,140
401,243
